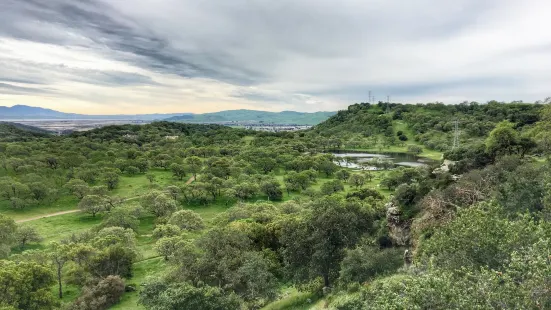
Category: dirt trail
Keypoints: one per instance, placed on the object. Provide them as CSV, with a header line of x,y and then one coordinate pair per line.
x,y
46,215
74,211
190,180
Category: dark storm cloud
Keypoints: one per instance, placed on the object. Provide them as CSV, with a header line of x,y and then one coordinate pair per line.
x,y
95,24
20,81
285,51
6,88
40,75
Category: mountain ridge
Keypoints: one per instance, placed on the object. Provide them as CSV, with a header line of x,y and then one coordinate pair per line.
x,y
284,117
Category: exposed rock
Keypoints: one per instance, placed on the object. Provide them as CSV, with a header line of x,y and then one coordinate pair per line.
x,y
398,229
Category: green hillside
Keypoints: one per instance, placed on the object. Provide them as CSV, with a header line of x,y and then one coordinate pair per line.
x,y
285,117
19,132
170,215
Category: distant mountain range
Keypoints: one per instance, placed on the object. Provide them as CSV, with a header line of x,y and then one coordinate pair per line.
x,y
285,117
20,112
23,112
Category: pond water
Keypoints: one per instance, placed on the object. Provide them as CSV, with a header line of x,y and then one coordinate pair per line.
x,y
353,159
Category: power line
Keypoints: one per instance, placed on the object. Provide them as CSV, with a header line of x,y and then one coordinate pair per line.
x,y
455,134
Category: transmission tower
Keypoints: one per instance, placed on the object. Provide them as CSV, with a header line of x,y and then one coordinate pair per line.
x,y
455,134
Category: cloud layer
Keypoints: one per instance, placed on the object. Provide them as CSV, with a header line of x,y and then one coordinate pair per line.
x,y
142,56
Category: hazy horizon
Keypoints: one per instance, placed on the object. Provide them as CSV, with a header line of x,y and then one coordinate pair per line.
x,y
153,112
107,57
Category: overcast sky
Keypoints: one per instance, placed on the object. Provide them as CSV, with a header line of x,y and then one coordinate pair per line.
x,y
144,56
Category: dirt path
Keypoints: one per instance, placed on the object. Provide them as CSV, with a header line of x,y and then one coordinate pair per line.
x,y
46,215
190,180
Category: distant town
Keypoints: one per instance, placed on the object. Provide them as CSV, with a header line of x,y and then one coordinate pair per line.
x,y
61,127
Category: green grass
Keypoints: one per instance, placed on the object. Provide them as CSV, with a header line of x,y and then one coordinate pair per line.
x,y
59,227
63,204
132,186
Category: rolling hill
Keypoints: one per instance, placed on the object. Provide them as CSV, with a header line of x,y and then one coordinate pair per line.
x,y
24,112
18,132
285,117
27,112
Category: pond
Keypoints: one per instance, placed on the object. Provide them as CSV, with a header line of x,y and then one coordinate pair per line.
x,y
353,160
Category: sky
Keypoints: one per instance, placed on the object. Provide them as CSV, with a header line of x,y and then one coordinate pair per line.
x,y
171,56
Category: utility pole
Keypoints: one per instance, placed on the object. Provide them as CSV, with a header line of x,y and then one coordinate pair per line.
x,y
455,134
369,97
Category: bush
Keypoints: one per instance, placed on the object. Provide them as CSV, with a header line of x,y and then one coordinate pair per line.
x,y
364,193
366,262
159,295
105,294
414,149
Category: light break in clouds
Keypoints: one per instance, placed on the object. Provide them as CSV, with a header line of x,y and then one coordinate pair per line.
x,y
145,56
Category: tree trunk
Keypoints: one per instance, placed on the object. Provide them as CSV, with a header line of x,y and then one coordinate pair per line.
x,y
59,281
326,280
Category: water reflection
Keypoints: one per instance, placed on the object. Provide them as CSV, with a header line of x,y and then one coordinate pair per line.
x,y
373,161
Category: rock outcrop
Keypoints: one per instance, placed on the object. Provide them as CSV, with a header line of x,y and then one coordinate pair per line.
x,y
398,229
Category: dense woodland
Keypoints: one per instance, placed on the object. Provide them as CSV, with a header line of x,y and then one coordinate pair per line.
x,y
183,216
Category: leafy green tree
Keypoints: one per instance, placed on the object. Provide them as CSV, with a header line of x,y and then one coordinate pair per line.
x,y
173,191
266,164
158,203
523,189
367,262
106,293
187,220
357,180
59,256
167,246
327,167
214,257
92,204
504,139
131,170
194,164
117,253
26,234
331,187
314,245
178,170
124,217
162,161
245,190
111,179
214,186
26,286
272,189
167,230
480,236
8,231
414,149
255,276
343,174
151,177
